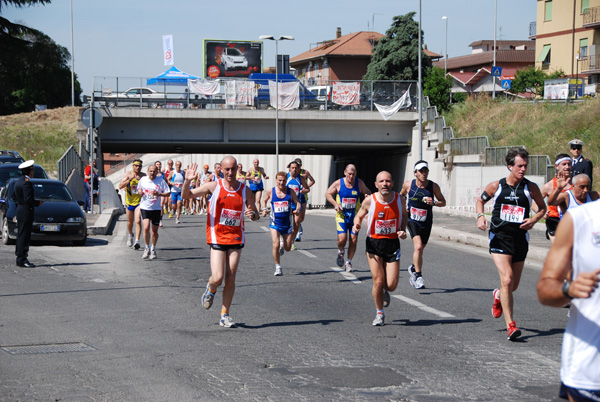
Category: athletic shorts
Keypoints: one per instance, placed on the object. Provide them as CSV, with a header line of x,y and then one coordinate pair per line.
x,y
415,229
514,244
153,215
388,249
302,206
551,224
283,230
256,187
579,395
176,197
344,222
225,247
132,207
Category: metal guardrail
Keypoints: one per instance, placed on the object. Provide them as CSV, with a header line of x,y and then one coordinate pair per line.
x,y
495,156
469,145
439,123
448,133
68,162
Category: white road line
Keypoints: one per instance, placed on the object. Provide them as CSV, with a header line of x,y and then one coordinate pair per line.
x,y
266,229
423,307
352,278
306,253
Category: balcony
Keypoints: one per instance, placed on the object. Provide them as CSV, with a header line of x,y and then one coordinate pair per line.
x,y
591,18
589,65
532,30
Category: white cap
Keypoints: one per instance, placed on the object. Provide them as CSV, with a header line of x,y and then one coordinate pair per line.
x,y
26,165
421,165
576,142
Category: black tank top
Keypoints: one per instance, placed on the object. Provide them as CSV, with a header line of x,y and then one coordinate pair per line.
x,y
512,206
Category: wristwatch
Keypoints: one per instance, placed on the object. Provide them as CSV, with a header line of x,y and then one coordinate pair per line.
x,y
565,289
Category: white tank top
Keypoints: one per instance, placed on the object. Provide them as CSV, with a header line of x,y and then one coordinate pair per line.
x,y
580,360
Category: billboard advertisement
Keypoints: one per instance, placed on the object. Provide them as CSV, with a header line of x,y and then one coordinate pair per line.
x,y
234,58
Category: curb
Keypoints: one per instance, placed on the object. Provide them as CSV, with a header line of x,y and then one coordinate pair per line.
x,y
104,221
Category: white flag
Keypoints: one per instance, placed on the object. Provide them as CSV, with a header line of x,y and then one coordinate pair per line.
x,y
168,49
388,111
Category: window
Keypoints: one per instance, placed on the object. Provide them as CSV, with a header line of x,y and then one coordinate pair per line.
x,y
545,55
585,6
548,11
583,48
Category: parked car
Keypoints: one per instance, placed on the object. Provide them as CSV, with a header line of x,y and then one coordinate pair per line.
x,y
11,170
7,156
59,218
131,97
233,58
322,92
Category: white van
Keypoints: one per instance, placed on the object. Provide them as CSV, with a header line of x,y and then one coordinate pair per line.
x,y
322,92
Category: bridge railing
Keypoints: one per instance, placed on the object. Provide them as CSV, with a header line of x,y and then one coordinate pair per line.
x,y
110,92
68,162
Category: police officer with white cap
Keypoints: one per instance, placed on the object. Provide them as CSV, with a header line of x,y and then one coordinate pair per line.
x,y
580,164
23,196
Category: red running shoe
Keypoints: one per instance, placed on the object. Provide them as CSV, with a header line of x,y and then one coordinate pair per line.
x,y
497,306
512,331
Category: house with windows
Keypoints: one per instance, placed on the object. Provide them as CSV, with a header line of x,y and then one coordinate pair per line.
x,y
567,36
344,58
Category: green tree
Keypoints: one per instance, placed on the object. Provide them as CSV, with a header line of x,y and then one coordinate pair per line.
x,y
437,87
396,55
531,80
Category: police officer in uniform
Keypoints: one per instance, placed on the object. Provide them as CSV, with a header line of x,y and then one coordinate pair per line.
x,y
23,196
581,164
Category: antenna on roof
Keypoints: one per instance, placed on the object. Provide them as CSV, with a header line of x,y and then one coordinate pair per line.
x,y
373,23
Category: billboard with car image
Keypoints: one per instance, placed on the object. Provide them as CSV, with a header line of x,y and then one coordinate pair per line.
x,y
235,58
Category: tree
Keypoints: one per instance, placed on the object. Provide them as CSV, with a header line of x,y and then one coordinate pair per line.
x,y
531,80
396,55
437,87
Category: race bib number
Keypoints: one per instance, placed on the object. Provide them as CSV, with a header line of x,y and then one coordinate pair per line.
x,y
512,213
230,217
134,188
349,203
179,185
294,187
281,207
385,227
419,215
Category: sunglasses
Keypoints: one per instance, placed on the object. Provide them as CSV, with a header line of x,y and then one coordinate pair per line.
x,y
576,147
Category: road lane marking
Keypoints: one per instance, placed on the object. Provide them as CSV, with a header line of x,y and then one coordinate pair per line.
x,y
352,278
423,307
266,229
306,253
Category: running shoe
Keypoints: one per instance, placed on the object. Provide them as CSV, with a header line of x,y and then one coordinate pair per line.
x,y
294,247
281,249
412,275
178,221
129,241
340,258
497,306
146,253
136,245
348,266
226,321
278,270
298,237
170,215
419,282
512,331
153,254
207,298
160,224
386,298
379,320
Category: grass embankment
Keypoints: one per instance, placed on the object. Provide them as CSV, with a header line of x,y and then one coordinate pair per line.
x,y
43,136
544,128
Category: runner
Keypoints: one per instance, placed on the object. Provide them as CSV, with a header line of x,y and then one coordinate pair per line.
x,y
310,181
508,230
163,200
578,195
240,174
344,194
230,202
562,165
218,174
203,178
132,202
282,222
300,187
254,177
176,180
575,253
168,172
387,217
151,188
422,194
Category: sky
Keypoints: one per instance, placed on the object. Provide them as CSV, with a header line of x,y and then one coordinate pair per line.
x,y
123,38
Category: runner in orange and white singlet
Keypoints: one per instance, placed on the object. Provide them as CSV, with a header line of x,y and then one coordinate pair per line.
x,y
562,164
230,202
386,224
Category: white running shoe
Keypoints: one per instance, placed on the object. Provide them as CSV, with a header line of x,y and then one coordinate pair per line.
x,y
412,275
348,266
386,298
226,321
340,258
278,270
153,254
419,283
160,225
281,249
129,241
379,320
178,221
146,253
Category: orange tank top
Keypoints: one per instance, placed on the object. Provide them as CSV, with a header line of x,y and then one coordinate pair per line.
x,y
384,220
225,224
553,209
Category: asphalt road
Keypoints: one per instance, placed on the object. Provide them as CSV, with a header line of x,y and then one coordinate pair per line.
x,y
129,329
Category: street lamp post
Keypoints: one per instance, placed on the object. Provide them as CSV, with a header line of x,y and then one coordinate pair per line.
x,y
494,63
72,62
271,37
446,48
420,85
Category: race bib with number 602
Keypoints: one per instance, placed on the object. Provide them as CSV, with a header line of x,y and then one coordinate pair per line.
x,y
229,217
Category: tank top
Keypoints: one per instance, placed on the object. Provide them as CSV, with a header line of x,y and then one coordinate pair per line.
x,y
241,177
553,209
204,177
419,211
281,209
225,224
348,198
384,220
573,203
296,185
256,179
132,198
177,180
512,206
580,358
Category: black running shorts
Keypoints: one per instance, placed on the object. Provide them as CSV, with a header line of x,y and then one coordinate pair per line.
x,y
415,229
153,215
551,224
225,247
515,244
387,249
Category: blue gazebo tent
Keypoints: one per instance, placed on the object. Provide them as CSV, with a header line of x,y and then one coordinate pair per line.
x,y
172,76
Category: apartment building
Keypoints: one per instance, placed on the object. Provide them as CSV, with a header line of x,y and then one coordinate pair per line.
x,y
567,35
